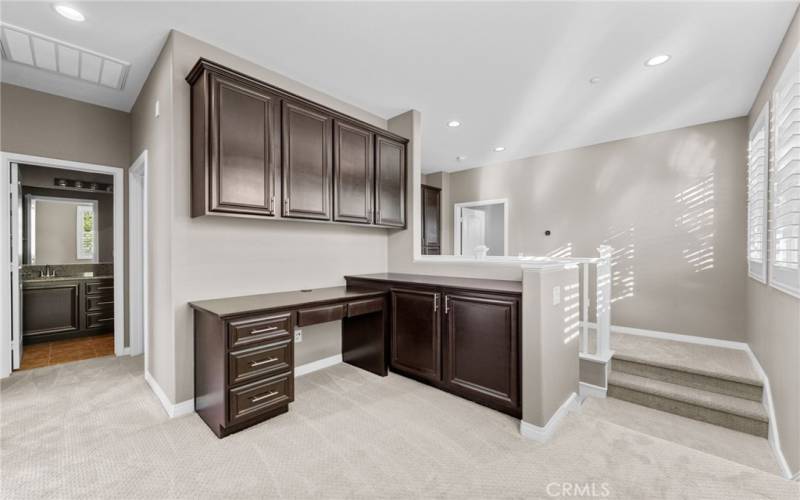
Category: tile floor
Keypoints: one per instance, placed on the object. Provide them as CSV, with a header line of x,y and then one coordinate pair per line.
x,y
64,351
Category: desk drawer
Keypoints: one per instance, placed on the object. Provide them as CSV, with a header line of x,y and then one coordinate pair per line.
x,y
259,397
249,331
260,361
364,307
314,315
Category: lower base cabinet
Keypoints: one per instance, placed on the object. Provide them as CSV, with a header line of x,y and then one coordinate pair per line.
x,y
465,342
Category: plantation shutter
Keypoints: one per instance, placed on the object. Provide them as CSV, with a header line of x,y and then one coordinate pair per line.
x,y
785,181
757,168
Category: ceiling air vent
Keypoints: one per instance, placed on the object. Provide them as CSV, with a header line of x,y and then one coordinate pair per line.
x,y
42,52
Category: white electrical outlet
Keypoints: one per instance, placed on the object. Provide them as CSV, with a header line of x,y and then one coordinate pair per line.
x,y
298,335
556,295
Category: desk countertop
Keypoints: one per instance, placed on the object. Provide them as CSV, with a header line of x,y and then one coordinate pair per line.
x,y
249,304
477,284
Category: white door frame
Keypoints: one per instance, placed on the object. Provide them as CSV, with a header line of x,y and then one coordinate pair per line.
x,y
471,204
6,159
137,257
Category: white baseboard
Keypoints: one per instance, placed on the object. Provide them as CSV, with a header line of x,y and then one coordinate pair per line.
x,y
173,410
774,438
542,434
126,351
590,390
320,364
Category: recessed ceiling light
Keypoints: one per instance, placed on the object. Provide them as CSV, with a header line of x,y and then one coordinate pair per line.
x,y
594,80
656,60
70,13
454,123
461,158
499,148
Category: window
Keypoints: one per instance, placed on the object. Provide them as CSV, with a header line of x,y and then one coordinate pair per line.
x,y
87,234
757,197
785,181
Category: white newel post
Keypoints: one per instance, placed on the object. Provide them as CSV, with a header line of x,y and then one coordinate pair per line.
x,y
603,284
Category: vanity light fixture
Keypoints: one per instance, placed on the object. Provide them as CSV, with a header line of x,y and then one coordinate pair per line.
x,y
453,123
499,149
657,60
70,13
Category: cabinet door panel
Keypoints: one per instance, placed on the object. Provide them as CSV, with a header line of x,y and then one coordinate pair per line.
x,y
53,309
307,164
353,173
416,341
482,348
431,220
390,183
243,161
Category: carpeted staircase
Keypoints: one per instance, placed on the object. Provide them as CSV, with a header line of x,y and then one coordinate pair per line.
x,y
707,383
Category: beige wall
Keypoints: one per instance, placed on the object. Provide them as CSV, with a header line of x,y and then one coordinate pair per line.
x,y
40,124
212,257
773,317
671,204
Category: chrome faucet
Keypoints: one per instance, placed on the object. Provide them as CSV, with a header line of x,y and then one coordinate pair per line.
x,y
47,272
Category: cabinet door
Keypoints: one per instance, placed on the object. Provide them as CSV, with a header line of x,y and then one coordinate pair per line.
x,y
390,182
416,342
52,309
482,361
307,164
243,143
353,173
431,220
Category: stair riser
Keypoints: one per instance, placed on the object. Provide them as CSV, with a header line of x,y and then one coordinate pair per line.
x,y
703,382
716,417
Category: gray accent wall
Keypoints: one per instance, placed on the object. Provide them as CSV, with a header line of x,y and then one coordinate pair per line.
x,y
671,204
773,317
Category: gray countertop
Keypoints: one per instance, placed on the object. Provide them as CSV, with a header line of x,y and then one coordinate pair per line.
x,y
65,278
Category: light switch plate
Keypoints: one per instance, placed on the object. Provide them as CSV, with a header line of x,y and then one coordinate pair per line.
x,y
556,295
298,335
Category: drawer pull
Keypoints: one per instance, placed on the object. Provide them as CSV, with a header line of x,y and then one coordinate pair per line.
x,y
105,287
263,330
105,303
256,399
105,319
253,364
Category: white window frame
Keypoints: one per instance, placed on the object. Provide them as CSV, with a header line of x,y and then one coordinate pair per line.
x,y
784,278
758,165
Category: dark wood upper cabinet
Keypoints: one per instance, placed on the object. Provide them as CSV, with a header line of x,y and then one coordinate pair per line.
x,y
256,147
415,337
353,169
482,348
307,162
431,220
235,125
390,182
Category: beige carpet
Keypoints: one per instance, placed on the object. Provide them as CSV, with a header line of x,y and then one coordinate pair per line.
x,y
94,430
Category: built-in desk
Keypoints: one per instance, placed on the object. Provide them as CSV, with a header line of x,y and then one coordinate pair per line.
x,y
460,335
244,348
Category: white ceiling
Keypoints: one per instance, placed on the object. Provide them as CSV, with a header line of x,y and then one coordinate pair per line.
x,y
515,74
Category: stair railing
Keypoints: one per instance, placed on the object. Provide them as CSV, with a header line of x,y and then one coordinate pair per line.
x,y
596,321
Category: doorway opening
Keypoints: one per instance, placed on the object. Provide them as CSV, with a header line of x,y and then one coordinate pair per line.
x,y
481,228
63,299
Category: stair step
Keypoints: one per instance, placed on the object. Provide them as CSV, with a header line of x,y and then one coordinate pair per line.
x,y
689,379
727,411
723,363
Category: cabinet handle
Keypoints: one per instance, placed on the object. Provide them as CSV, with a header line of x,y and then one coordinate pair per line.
x,y
286,205
105,303
267,361
101,320
272,204
256,399
435,302
263,330
446,304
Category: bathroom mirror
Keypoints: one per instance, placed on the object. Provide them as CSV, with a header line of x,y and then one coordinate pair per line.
x,y
61,231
